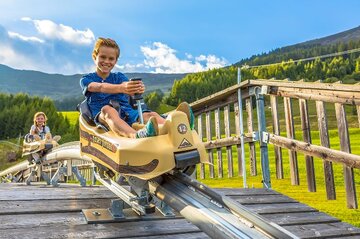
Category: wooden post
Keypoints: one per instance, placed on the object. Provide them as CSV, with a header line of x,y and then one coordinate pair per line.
x,y
345,146
358,113
218,136
324,140
309,161
38,173
208,137
237,131
290,132
227,134
200,132
276,130
250,120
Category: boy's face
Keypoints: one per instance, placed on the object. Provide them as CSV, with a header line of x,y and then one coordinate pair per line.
x,y
105,60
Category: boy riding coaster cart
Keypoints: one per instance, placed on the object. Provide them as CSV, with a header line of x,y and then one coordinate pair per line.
x,y
138,160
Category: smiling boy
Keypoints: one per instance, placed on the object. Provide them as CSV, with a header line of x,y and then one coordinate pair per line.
x,y
102,86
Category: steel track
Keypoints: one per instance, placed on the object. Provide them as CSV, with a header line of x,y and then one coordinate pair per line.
x,y
217,215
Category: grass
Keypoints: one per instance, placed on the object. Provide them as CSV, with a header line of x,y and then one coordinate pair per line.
x,y
6,148
73,116
336,208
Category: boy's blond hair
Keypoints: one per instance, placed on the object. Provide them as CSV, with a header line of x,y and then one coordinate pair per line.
x,y
105,42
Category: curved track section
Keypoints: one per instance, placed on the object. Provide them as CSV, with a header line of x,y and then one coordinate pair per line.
x,y
68,151
16,168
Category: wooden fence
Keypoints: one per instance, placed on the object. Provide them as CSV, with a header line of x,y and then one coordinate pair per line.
x,y
279,97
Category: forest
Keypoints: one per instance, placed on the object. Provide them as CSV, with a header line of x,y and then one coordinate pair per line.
x,y
16,117
344,68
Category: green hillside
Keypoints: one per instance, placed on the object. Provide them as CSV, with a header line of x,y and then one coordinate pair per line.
x,y
59,87
281,63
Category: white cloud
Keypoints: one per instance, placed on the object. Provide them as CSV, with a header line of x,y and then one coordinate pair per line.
x,y
52,30
50,48
20,54
132,67
212,61
189,56
12,58
24,38
162,59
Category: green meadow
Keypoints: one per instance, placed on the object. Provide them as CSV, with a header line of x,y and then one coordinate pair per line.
x,y
72,116
336,208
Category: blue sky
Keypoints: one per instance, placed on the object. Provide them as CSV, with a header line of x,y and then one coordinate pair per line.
x,y
164,36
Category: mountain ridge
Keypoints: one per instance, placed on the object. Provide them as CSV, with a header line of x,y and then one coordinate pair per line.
x,y
59,87
344,37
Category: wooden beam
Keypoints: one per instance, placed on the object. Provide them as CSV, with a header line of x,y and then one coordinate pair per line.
x,y
332,96
350,160
226,142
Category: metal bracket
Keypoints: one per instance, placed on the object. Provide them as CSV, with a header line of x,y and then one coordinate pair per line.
x,y
116,208
265,137
264,90
163,208
136,203
252,91
78,175
99,215
261,90
61,171
46,178
29,177
255,135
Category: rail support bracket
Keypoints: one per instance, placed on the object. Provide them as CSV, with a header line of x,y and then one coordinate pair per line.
x,y
265,137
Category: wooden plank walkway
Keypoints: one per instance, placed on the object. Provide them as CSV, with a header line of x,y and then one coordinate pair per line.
x,y
41,211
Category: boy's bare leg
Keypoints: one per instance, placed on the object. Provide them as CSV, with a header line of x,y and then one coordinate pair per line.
x,y
158,118
111,117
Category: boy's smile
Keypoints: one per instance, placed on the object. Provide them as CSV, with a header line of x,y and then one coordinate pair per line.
x,y
105,61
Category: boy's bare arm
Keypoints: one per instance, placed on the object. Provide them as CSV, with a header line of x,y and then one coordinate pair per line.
x,y
127,87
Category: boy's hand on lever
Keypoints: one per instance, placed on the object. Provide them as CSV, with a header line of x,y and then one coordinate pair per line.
x,y
134,87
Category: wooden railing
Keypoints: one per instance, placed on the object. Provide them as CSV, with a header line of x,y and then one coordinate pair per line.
x,y
218,134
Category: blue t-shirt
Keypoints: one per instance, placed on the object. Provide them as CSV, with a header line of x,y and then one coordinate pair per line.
x,y
97,100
